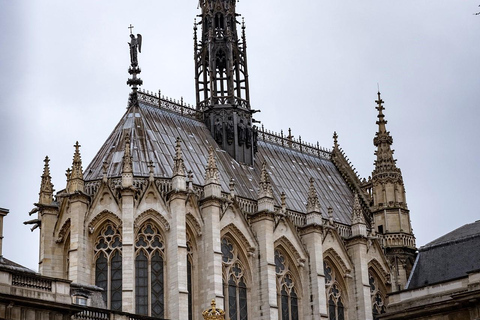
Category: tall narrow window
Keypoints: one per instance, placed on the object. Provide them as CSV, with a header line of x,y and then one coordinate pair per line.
x,y
108,266
287,292
378,305
149,272
234,285
336,310
189,278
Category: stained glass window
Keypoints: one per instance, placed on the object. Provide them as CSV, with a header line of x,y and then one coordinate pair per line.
x,y
234,285
108,261
288,298
378,305
190,277
335,304
149,272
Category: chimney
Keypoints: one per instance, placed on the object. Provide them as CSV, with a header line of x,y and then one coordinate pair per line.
x,y
3,213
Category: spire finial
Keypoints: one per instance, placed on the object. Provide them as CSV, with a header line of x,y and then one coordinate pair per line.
x,y
357,213
46,186
76,176
265,185
335,140
135,45
179,167
211,171
313,204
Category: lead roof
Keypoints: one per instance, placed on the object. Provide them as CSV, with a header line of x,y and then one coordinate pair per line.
x,y
154,130
447,258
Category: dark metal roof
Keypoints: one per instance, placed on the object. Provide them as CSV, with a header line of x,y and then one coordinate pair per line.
x,y
448,257
154,131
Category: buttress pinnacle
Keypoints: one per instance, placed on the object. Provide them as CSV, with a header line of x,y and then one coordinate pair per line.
x,y
46,186
76,182
313,205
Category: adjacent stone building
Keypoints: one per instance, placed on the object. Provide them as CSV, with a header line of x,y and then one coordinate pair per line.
x,y
182,205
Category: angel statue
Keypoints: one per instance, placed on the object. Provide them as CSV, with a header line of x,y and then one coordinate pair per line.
x,y
136,43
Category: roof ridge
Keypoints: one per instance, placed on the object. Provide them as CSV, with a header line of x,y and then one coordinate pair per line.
x,y
447,242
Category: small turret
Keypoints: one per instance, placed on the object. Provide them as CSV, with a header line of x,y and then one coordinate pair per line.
x,y
391,217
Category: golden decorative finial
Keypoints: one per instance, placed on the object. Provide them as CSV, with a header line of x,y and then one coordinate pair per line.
x,y
213,313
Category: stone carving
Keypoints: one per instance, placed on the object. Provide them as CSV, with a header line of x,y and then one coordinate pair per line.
x,y
135,44
230,131
218,130
241,133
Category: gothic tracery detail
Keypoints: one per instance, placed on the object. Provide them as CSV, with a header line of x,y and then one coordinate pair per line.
x,y
286,289
335,300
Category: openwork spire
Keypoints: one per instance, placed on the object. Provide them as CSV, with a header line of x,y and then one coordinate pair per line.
x,y
313,205
75,176
211,171
265,185
46,186
383,141
357,213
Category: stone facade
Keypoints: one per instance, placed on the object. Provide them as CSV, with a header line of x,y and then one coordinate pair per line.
x,y
174,212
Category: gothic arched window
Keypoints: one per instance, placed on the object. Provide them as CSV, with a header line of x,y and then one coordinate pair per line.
x,y
286,290
234,284
190,277
108,266
378,298
335,302
149,272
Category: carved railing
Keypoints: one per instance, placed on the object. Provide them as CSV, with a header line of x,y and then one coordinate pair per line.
x,y
397,240
158,100
247,205
298,219
32,282
91,315
91,187
292,143
343,230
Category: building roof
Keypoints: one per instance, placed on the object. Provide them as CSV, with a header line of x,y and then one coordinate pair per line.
x,y
448,257
153,130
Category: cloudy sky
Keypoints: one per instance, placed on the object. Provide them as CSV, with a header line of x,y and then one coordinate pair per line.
x,y
314,67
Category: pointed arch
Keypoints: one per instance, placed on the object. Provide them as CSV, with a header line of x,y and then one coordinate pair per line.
x,y
100,219
192,271
289,285
337,260
292,251
247,246
194,225
335,289
237,276
377,278
154,215
64,231
149,268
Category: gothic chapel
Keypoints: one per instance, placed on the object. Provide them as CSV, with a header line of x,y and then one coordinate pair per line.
x,y
182,205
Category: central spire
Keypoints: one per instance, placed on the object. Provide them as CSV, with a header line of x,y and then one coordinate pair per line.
x,y
221,79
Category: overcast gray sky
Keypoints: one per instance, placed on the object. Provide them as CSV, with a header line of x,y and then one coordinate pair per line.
x,y
314,66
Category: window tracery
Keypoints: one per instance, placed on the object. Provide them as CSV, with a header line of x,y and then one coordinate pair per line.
x,y
108,266
189,277
335,300
378,297
286,290
234,283
149,272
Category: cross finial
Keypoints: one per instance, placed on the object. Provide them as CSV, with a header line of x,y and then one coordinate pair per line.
x,y
131,28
